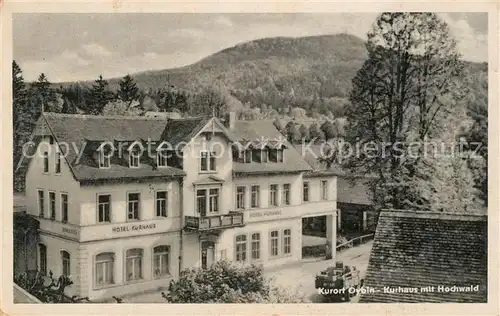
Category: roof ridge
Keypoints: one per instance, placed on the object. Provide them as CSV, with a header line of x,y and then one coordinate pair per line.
x,y
103,117
434,215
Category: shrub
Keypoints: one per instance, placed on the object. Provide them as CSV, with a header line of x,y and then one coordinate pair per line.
x,y
224,282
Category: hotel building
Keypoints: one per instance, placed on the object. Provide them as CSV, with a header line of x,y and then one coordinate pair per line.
x,y
125,203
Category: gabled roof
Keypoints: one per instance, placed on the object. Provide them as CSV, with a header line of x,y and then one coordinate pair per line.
x,y
82,130
209,180
264,130
182,130
421,249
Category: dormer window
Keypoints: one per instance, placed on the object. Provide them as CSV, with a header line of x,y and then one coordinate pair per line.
x,y
248,156
161,158
276,155
104,159
134,154
264,155
133,159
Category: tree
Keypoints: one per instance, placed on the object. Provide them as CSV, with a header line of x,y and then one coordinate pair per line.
x,y
128,90
315,132
68,106
401,90
304,132
224,282
100,96
45,93
18,98
329,130
292,132
280,125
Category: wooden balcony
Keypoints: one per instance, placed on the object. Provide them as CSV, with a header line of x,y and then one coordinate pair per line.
x,y
216,222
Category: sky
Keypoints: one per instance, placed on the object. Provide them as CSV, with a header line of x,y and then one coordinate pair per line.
x,y
81,46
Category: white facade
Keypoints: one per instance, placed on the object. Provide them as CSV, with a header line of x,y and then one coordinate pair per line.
x,y
111,242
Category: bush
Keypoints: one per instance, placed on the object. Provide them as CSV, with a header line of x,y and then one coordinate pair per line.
x,y
224,282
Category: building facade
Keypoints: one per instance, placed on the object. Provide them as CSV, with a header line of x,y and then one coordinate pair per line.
x,y
124,204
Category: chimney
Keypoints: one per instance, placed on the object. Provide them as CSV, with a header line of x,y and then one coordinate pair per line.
x,y
230,119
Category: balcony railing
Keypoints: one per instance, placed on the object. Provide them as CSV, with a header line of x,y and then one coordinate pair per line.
x,y
204,223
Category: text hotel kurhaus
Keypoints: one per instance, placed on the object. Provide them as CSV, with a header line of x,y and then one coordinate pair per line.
x,y
122,223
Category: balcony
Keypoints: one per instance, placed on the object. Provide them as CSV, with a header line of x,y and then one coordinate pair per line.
x,y
217,222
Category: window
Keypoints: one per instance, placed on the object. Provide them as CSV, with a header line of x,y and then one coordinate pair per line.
x,y
162,158
240,197
64,207
46,162
133,206
324,190
255,196
104,159
207,200
264,155
104,268
41,203
241,248
161,261
274,250
52,203
280,155
286,194
42,252
104,208
276,155
305,191
65,259
58,162
161,203
248,156
133,268
207,161
273,195
213,200
287,241
134,158
255,246
201,199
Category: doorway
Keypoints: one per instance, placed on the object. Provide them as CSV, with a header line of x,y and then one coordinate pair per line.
x,y
207,253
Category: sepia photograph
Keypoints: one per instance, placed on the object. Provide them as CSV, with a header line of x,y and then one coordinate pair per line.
x,y
249,158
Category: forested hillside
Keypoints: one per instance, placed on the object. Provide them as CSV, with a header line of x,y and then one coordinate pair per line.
x,y
301,83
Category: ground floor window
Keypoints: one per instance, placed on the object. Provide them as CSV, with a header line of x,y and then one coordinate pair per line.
x,y
104,265
42,252
241,248
256,246
287,241
134,264
161,261
274,249
65,258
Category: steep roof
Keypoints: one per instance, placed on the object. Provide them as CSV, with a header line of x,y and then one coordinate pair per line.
x,y
356,191
245,131
78,130
421,249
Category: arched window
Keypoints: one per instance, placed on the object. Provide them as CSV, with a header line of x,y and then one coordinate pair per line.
x,y
65,259
104,265
161,261
133,268
42,254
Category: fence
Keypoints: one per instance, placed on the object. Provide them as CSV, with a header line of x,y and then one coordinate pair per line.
x,y
320,250
355,241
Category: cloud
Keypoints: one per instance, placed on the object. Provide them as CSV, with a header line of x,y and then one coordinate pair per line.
x,y
95,50
471,43
223,21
